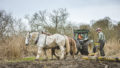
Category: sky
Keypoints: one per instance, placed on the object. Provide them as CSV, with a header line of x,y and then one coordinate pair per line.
x,y
81,11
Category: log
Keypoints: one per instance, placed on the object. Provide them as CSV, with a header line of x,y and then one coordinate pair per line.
x,y
101,58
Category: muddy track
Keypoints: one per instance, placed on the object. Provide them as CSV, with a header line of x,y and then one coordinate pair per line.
x,y
68,63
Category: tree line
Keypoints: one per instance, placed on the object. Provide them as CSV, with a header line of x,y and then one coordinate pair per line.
x,y
55,21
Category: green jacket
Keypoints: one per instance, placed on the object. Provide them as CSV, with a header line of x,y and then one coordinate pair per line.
x,y
101,36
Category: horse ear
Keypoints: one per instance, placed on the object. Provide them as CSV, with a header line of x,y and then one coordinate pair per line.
x,y
28,33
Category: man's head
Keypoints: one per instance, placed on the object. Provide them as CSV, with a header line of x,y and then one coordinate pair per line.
x,y
98,30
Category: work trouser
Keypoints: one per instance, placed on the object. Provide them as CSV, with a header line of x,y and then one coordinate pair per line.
x,y
102,43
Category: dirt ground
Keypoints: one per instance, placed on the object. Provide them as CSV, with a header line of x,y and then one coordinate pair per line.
x,y
68,63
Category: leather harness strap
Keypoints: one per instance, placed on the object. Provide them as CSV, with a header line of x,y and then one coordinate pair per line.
x,y
45,39
37,39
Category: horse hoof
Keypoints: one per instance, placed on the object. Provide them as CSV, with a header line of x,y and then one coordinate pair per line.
x,y
61,58
36,59
58,58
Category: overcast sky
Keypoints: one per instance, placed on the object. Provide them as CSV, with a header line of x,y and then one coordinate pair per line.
x,y
81,11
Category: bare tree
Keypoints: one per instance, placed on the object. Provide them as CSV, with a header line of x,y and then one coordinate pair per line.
x,y
19,27
48,21
58,18
38,21
6,24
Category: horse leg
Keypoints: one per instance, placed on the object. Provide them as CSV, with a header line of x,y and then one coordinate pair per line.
x,y
73,53
45,54
38,54
62,52
78,50
52,52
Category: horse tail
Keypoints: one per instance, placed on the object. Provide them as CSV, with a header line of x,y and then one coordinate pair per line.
x,y
74,46
67,44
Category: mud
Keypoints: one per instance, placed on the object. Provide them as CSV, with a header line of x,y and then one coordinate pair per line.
x,y
68,63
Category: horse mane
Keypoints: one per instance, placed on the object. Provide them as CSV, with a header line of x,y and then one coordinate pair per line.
x,y
46,33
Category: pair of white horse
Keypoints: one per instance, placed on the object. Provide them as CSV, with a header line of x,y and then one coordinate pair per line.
x,y
44,42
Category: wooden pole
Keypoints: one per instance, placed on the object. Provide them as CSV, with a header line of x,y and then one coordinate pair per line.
x,y
117,59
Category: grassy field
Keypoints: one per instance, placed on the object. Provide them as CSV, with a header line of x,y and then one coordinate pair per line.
x,y
14,48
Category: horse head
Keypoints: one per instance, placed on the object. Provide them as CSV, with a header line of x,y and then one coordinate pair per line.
x,y
31,37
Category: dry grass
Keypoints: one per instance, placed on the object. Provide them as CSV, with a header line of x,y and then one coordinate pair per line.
x,y
112,48
14,47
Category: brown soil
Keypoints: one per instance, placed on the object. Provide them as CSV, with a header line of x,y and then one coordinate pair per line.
x,y
68,63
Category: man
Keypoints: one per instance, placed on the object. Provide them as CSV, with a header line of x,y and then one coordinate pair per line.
x,y
101,40
79,36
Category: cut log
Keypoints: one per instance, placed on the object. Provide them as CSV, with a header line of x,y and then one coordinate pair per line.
x,y
106,58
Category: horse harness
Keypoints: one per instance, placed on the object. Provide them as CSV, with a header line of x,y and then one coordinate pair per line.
x,y
38,39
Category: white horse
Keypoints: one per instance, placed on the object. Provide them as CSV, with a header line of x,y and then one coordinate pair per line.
x,y
44,42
